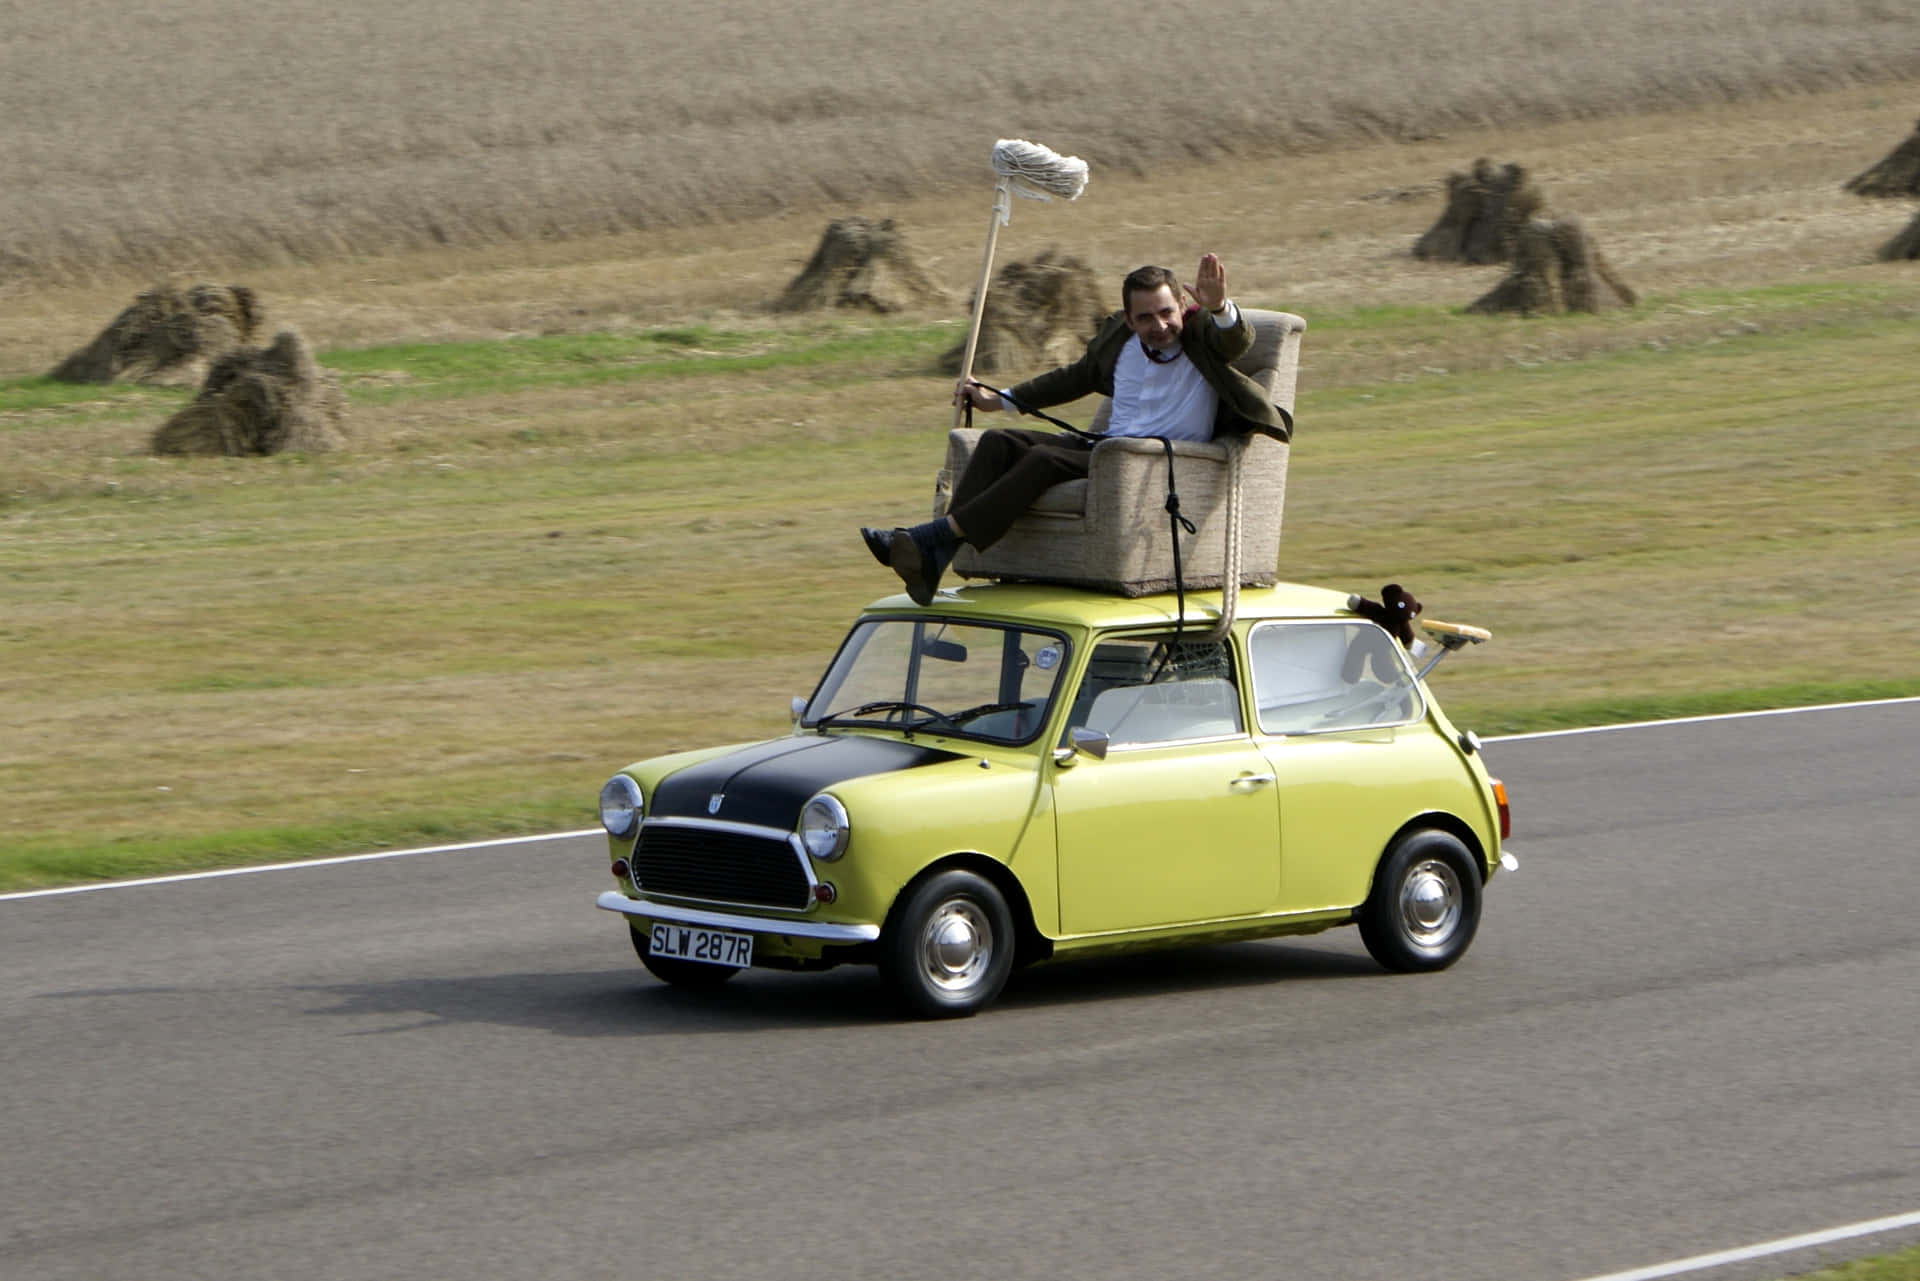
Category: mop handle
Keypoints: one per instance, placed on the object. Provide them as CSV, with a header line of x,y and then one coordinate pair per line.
x,y
1002,206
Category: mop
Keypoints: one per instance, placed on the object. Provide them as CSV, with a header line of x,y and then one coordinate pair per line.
x,y
1024,169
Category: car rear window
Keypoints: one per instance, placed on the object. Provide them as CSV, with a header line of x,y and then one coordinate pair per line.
x,y
1311,678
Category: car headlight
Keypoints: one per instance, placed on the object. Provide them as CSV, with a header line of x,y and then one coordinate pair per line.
x,y
621,806
823,828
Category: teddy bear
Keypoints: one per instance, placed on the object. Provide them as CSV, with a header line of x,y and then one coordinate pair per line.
x,y
1395,611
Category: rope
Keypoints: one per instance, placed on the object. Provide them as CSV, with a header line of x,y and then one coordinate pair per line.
x,y
1230,572
1029,411
1175,523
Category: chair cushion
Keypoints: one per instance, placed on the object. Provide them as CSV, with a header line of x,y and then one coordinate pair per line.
x,y
1067,499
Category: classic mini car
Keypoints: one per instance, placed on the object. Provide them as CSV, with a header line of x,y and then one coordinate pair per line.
x,y
1019,773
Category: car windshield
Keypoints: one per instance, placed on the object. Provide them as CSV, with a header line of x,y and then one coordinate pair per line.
x,y
973,680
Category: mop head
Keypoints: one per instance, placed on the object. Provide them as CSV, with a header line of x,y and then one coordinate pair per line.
x,y
1037,173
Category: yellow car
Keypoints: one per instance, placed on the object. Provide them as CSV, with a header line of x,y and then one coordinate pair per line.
x,y
1013,774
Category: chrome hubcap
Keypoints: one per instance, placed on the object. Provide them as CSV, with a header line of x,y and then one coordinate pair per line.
x,y
1430,902
956,945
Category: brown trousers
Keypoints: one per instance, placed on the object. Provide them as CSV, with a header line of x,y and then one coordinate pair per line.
x,y
1010,468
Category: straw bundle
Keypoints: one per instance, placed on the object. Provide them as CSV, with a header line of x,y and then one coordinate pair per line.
x,y
260,401
1905,245
1555,268
861,263
1485,211
1897,175
167,335
1038,314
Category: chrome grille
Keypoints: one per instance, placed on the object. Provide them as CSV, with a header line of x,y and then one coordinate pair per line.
x,y
720,864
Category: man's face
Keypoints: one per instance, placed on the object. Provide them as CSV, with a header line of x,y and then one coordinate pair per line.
x,y
1154,316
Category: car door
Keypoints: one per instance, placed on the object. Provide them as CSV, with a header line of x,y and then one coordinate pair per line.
x,y
1178,822
1338,710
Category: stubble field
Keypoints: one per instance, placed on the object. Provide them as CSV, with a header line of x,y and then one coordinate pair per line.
x,y
177,136
599,501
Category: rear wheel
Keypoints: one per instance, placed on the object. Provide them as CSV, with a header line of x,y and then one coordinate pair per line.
x,y
1425,904
680,973
949,948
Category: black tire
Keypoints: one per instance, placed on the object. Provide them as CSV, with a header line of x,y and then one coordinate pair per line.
x,y
1425,904
948,948
671,969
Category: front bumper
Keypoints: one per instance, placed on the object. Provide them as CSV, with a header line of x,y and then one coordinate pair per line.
x,y
825,931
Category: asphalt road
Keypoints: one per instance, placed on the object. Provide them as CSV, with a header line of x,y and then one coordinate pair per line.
x,y
1690,1022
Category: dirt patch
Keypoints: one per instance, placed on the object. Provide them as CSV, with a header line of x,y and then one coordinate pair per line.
x,y
168,335
1039,313
865,264
1486,209
1897,175
260,401
1556,268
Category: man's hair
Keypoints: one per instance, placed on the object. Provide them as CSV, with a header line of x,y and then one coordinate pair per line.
x,y
1146,280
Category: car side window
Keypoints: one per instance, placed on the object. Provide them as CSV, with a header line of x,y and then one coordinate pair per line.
x,y
1143,690
1310,678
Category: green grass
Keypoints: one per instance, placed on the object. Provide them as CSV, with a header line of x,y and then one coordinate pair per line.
x,y
553,555
1625,709
1901,1266
25,396
385,375
583,360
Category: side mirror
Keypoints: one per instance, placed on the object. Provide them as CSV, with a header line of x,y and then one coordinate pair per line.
x,y
798,708
1081,739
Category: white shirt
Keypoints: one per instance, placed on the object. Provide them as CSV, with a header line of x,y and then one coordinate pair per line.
x,y
1171,399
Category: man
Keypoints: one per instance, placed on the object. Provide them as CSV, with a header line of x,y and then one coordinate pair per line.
x,y
1169,372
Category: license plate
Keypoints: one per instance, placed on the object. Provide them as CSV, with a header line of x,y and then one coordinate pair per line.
x,y
690,943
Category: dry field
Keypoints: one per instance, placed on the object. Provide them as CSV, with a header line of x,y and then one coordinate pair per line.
x,y
180,136
1725,196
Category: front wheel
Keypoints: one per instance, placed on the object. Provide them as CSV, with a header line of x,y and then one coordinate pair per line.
x,y
1425,904
671,969
949,948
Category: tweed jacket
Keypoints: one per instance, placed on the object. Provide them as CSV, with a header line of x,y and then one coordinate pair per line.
x,y
1243,407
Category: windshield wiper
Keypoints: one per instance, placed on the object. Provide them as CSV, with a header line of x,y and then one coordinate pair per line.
x,y
985,709
893,705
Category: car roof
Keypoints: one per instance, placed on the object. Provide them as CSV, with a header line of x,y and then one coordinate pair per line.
x,y
1045,605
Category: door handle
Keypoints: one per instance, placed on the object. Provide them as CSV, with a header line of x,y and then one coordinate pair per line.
x,y
1251,780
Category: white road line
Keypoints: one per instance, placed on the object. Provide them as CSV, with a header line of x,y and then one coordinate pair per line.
x,y
1784,1245
594,831
1697,720
299,865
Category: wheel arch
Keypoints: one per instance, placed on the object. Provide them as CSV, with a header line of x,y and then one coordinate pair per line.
x,y
1440,821
1030,945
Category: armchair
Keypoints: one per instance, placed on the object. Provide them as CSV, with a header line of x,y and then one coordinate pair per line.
x,y
1110,531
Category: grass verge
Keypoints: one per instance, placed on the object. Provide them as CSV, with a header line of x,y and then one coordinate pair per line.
x,y
1901,1266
